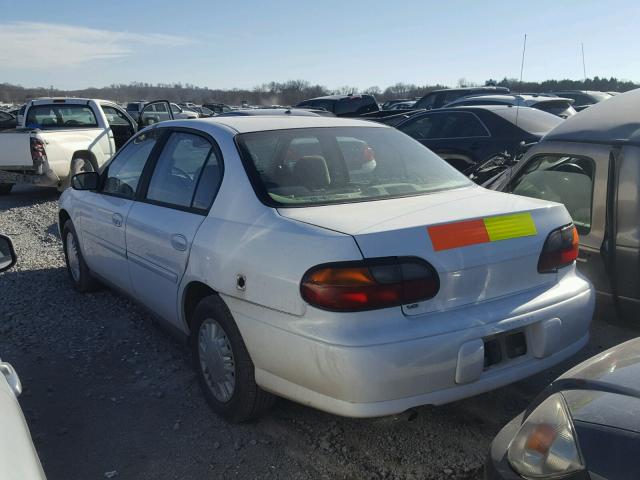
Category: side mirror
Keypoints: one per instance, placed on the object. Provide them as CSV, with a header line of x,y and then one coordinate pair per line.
x,y
8,255
85,181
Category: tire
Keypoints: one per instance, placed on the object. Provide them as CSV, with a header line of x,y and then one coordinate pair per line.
x,y
78,271
5,188
245,400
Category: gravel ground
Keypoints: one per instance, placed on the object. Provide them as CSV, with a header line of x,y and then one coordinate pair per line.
x,y
107,390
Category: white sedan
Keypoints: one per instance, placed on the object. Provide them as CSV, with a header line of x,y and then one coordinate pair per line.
x,y
334,262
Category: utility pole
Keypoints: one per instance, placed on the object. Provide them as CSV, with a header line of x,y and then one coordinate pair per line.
x,y
584,68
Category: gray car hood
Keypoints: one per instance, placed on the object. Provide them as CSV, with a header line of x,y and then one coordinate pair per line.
x,y
610,390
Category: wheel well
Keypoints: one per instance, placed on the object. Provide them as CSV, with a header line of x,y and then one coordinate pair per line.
x,y
63,216
88,155
194,292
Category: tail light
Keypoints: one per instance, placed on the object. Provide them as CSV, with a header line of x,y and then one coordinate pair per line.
x,y
369,284
560,249
38,153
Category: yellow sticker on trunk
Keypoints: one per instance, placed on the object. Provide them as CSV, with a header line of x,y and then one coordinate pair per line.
x,y
510,226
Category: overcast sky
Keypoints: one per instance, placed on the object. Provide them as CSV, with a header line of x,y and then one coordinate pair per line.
x,y
77,44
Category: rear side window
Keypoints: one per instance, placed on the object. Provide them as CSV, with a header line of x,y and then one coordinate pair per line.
x,y
55,116
176,179
123,173
563,179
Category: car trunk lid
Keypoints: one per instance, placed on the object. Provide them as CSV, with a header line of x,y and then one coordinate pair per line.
x,y
446,229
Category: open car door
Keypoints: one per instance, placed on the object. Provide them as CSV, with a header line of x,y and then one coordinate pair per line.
x,y
155,112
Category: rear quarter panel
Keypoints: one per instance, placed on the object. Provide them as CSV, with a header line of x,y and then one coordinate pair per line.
x,y
62,144
241,236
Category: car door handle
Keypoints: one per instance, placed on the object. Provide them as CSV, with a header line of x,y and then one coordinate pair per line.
x,y
179,242
116,219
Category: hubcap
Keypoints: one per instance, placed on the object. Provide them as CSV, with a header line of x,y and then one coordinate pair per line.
x,y
216,360
73,259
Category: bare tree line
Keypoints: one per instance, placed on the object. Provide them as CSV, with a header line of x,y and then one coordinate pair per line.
x,y
289,92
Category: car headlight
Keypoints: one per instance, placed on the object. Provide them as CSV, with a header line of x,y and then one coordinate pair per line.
x,y
545,445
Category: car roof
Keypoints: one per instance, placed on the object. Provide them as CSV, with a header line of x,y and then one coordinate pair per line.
x,y
491,108
260,123
270,111
611,122
338,97
512,99
478,89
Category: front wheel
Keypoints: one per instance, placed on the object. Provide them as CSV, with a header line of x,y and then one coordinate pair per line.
x,y
5,188
225,370
79,272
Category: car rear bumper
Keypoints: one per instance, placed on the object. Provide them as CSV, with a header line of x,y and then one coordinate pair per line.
x,y
389,378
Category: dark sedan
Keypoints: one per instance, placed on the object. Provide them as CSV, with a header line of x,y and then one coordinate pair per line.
x,y
465,136
584,426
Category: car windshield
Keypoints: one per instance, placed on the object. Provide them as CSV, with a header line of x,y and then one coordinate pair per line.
x,y
315,166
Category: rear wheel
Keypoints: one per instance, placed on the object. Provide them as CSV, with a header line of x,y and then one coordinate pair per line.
x,y
79,272
225,370
5,188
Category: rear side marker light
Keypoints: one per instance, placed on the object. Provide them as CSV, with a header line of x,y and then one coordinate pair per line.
x,y
369,284
559,250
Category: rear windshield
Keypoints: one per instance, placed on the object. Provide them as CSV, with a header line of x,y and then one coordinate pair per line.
x,y
599,96
357,105
327,105
317,166
556,107
530,120
54,116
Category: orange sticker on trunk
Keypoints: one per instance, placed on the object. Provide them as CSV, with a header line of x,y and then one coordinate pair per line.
x,y
459,234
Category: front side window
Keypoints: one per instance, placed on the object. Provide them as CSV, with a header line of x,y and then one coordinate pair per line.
x,y
49,117
177,173
123,173
312,166
560,178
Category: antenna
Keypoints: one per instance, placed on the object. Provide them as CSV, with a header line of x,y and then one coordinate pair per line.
x,y
524,49
584,69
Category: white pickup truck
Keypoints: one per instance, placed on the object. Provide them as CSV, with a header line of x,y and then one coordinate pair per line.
x,y
59,137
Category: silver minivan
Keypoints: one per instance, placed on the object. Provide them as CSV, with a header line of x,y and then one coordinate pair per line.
x,y
591,164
